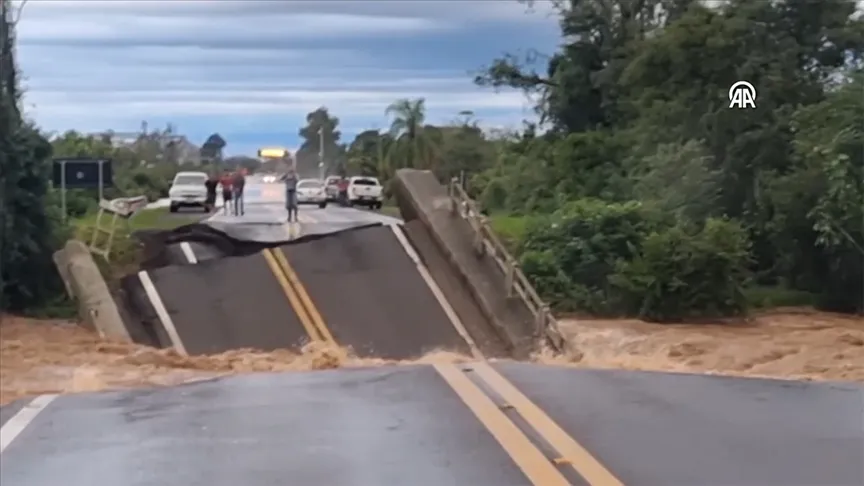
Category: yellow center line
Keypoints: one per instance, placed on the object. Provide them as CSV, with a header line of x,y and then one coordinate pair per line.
x,y
306,301
571,451
293,298
536,466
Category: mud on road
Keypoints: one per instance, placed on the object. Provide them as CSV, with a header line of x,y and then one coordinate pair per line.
x,y
41,356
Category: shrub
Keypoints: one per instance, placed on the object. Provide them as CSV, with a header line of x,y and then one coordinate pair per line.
x,y
586,239
683,272
557,289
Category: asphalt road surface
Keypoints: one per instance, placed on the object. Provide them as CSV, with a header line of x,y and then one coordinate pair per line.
x,y
265,204
475,424
472,425
358,289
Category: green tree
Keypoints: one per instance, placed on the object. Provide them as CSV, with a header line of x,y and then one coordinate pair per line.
x,y
211,150
366,154
414,146
319,124
30,227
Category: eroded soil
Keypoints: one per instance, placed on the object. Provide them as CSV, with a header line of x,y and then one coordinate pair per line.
x,y
59,357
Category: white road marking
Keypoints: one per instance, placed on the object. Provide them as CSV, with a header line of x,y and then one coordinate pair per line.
x,y
15,425
188,253
162,312
436,291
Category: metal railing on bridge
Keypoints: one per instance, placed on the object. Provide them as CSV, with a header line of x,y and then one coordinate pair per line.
x,y
487,243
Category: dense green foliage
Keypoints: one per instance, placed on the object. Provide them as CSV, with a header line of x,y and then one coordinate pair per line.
x,y
29,222
647,194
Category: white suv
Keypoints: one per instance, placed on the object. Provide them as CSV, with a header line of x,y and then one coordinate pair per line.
x,y
188,189
365,191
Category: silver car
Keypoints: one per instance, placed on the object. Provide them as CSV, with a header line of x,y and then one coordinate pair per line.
x,y
311,191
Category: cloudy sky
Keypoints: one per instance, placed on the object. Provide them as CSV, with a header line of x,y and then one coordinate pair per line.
x,y
251,70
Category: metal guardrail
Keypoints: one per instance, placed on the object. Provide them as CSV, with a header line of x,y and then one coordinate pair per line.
x,y
486,242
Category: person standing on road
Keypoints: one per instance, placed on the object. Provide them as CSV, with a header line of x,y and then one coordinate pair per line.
x,y
225,180
290,179
238,183
343,191
211,185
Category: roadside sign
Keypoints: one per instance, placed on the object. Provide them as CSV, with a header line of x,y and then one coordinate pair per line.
x,y
81,173
273,153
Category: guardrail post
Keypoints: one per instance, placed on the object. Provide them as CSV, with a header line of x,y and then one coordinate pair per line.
x,y
479,243
540,322
509,275
451,191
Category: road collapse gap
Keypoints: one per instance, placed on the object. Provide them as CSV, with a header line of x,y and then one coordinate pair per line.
x,y
164,248
358,287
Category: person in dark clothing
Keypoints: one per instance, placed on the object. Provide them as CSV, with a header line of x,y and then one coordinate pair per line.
x,y
226,181
290,180
211,185
238,183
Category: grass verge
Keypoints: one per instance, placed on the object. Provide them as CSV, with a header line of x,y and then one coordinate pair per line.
x,y
392,211
125,249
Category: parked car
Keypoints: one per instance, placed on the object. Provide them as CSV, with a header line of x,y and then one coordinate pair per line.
x,y
365,191
188,190
311,191
331,188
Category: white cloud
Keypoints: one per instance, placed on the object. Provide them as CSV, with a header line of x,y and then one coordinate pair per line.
x,y
467,10
247,66
100,27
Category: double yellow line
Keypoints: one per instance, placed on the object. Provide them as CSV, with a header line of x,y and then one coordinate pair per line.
x,y
300,301
540,469
490,397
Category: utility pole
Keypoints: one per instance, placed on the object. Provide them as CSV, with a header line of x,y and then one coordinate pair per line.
x,y
379,163
321,171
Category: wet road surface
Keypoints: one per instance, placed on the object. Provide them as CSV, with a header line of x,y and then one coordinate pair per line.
x,y
358,289
444,424
225,304
371,296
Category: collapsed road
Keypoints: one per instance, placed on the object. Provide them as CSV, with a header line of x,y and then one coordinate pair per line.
x,y
387,289
357,288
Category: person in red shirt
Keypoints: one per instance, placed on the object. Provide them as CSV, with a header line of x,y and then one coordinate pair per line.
x,y
343,191
227,184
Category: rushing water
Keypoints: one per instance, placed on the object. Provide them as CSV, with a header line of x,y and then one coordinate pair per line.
x,y
60,357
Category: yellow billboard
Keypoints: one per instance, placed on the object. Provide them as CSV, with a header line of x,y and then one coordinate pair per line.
x,y
273,153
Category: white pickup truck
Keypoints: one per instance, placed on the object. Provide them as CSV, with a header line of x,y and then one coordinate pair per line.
x,y
365,191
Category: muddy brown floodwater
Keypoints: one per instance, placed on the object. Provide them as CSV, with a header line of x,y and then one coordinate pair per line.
x,y
44,356
51,356
794,344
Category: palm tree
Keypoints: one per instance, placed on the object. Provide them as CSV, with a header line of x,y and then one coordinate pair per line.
x,y
408,129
